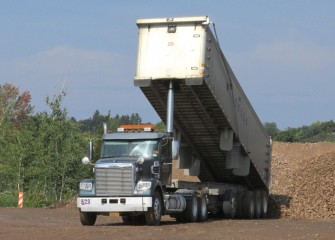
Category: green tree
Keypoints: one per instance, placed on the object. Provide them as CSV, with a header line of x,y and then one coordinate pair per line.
x,y
135,118
316,132
289,135
15,138
92,123
271,128
59,149
160,127
42,156
13,162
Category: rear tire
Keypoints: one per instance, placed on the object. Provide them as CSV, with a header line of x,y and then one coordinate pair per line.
x,y
229,206
154,214
264,203
202,209
239,204
248,205
258,204
191,211
87,218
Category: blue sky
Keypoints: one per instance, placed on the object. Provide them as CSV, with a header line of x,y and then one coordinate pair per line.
x,y
282,52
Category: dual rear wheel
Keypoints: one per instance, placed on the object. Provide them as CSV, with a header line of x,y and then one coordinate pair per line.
x,y
196,210
245,204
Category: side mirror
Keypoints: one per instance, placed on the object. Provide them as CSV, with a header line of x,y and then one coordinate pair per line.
x,y
86,161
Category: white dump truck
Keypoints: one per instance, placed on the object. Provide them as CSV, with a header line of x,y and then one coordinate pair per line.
x,y
212,132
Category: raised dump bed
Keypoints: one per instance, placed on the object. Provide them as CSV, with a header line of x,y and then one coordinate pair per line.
x,y
222,138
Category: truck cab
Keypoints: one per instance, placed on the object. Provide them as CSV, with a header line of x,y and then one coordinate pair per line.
x,y
135,164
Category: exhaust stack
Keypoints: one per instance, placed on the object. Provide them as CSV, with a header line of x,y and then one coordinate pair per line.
x,y
169,111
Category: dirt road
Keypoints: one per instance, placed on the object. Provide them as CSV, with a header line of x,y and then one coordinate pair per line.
x,y
63,224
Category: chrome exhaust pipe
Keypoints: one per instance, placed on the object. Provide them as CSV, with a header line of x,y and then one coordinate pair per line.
x,y
170,108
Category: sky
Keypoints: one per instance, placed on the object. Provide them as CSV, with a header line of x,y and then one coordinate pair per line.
x,y
282,52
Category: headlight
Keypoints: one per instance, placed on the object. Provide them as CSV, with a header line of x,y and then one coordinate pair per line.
x,y
142,186
86,186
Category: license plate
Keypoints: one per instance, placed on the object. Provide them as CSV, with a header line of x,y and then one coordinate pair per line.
x,y
114,214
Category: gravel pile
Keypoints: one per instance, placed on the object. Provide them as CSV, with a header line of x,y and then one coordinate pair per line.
x,y
313,192
303,181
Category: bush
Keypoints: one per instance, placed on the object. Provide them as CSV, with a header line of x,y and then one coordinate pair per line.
x,y
8,199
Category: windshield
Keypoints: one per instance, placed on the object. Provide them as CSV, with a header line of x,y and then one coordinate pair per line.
x,y
136,148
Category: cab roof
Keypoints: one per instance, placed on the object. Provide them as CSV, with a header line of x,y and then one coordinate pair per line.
x,y
133,136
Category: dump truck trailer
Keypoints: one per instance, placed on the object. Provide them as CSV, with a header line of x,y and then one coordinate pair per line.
x,y
213,133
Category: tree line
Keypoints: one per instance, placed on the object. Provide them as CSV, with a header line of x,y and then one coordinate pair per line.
x,y
40,153
316,132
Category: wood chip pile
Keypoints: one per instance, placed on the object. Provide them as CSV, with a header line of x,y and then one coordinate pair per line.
x,y
303,181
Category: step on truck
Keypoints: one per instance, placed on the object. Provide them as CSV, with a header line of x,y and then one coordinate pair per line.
x,y
212,132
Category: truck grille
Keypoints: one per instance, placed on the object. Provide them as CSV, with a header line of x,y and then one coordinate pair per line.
x,y
114,181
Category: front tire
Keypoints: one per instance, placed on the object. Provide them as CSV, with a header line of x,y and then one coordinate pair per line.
x,y
87,218
154,214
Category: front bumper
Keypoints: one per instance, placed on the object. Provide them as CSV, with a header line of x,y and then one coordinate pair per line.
x,y
114,204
